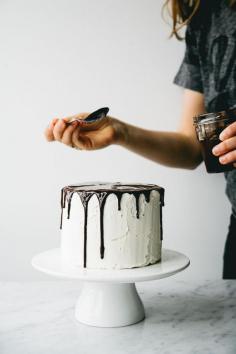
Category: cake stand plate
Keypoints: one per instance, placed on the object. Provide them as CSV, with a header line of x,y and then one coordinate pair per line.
x,y
109,297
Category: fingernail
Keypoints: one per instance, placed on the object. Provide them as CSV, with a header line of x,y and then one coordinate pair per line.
x,y
74,123
222,136
222,159
215,150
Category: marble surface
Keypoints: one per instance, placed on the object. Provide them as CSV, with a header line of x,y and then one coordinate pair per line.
x,y
181,317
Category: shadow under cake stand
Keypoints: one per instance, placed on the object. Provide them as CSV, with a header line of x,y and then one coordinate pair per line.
x,y
109,297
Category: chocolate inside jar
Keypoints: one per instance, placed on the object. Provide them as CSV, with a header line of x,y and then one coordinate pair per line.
x,y
208,128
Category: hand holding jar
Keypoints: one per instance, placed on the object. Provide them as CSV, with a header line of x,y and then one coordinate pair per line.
x,y
216,133
226,150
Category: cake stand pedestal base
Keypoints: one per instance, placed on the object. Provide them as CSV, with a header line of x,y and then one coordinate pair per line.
x,y
109,297
109,305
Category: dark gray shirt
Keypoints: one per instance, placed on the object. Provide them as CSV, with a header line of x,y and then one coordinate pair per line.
x,y
209,64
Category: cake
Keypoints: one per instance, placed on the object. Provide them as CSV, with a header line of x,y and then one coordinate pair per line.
x,y
111,225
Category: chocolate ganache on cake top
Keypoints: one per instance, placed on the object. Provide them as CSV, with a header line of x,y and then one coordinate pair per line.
x,y
102,191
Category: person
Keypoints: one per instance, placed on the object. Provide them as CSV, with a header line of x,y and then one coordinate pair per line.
x,y
208,76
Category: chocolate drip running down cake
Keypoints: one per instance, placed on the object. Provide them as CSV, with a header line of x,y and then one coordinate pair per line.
x,y
111,225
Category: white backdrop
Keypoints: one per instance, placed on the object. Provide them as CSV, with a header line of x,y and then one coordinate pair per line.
x,y
62,57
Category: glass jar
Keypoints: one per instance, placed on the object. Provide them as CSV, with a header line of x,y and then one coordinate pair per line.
x,y
208,128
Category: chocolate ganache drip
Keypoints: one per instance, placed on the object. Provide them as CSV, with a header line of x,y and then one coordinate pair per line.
x,y
102,191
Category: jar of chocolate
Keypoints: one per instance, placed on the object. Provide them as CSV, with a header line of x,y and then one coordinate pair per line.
x,y
208,128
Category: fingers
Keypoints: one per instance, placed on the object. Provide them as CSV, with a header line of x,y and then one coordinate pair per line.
x,y
226,151
49,130
63,132
228,132
225,146
59,129
230,157
67,135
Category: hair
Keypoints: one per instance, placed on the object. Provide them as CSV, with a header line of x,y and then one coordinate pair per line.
x,y
182,11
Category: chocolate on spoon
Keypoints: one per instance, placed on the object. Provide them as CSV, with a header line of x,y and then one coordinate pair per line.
x,y
92,119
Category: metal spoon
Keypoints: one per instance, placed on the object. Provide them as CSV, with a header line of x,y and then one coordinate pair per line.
x,y
92,119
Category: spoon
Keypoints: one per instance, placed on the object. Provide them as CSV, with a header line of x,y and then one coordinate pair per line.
x,y
95,117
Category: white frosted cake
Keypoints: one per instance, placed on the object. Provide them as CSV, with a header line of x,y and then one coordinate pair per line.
x,y
111,226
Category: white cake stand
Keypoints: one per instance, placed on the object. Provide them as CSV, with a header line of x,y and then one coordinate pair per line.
x,y
109,297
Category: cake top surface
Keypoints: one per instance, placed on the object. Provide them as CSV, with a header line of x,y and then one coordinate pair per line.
x,y
103,189
113,187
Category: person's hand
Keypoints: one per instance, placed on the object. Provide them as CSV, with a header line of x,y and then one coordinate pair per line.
x,y
226,150
106,132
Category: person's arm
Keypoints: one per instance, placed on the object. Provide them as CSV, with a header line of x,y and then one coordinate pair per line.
x,y
177,149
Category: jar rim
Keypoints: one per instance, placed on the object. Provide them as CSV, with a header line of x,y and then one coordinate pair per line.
x,y
213,116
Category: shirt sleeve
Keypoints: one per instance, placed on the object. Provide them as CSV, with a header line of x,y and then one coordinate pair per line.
x,y
189,73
